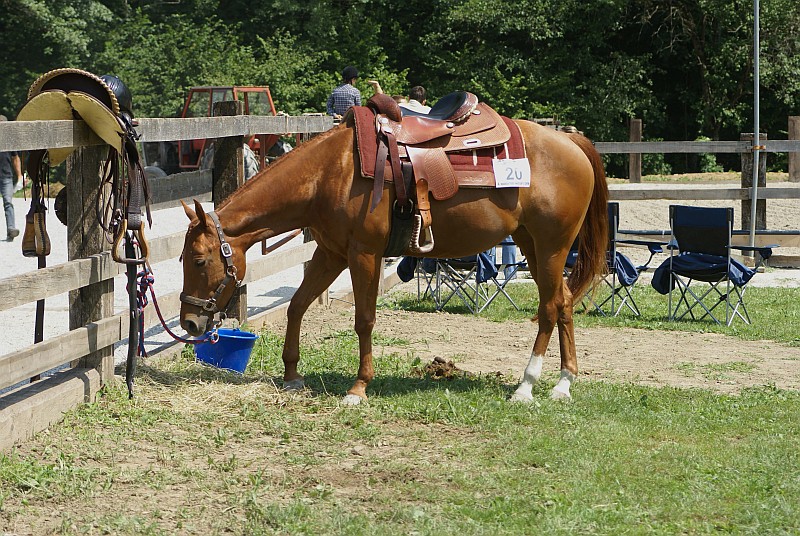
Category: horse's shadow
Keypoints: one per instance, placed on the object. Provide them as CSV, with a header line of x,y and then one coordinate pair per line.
x,y
328,383
396,385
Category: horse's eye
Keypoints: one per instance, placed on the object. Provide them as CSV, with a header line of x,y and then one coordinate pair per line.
x,y
199,262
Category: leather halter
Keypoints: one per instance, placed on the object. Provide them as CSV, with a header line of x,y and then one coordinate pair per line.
x,y
210,305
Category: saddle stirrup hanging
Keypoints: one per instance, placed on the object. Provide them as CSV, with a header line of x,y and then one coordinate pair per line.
x,y
422,221
35,240
120,237
415,247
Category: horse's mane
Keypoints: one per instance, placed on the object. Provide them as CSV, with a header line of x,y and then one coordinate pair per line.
x,y
297,152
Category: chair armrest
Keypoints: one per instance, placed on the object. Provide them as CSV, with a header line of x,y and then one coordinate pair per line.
x,y
764,251
654,247
756,248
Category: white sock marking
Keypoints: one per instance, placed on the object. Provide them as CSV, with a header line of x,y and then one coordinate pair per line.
x,y
561,390
352,400
533,372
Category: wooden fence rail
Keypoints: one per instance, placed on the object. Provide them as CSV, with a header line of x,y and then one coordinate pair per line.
x,y
32,135
697,147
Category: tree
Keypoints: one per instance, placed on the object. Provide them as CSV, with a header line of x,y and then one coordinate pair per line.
x,y
37,36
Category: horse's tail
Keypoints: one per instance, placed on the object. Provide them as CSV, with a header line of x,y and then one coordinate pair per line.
x,y
593,236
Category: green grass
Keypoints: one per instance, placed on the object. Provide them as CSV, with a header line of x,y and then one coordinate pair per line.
x,y
200,451
775,312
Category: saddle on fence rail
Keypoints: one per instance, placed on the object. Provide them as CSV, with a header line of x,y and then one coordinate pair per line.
x,y
105,104
449,148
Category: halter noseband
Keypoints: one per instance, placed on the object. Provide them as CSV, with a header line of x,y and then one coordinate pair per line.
x,y
210,305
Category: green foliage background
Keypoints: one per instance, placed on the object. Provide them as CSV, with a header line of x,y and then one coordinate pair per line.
x,y
684,66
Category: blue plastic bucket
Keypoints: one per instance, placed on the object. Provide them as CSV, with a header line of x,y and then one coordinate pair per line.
x,y
230,352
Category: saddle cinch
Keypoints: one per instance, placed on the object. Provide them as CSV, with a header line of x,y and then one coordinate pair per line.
x,y
437,153
105,104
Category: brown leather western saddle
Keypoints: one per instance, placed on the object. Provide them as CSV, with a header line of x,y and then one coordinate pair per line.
x,y
450,147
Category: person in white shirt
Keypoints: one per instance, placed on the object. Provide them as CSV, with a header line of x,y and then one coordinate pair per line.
x,y
416,100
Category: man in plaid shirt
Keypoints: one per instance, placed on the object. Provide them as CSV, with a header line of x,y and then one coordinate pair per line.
x,y
345,94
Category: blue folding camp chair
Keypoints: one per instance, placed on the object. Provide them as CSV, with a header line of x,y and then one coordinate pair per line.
x,y
425,271
473,280
703,271
614,291
445,279
509,265
463,278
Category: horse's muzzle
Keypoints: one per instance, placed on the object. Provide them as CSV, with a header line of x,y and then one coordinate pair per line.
x,y
195,325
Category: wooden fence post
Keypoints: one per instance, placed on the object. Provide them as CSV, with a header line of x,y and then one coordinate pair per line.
x,y
85,238
747,182
227,176
635,159
794,158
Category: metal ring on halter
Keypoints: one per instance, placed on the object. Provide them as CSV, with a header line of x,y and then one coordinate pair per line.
x,y
210,305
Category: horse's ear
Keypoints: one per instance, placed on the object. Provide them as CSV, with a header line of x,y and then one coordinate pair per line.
x,y
189,212
201,214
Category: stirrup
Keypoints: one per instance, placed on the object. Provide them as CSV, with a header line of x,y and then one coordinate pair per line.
x,y
35,241
138,234
415,247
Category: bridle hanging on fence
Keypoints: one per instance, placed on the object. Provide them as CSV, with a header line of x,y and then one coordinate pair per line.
x,y
120,212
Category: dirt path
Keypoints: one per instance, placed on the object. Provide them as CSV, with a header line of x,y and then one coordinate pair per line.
x,y
657,358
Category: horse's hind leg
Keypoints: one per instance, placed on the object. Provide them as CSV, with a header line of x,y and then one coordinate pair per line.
x,y
555,308
321,271
566,342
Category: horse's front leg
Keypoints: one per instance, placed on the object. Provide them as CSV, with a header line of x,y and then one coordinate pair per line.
x,y
321,271
365,272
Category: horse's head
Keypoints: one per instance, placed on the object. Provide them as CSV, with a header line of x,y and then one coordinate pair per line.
x,y
210,275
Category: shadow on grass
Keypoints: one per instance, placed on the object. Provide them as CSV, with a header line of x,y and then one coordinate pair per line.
x,y
196,374
327,383
394,385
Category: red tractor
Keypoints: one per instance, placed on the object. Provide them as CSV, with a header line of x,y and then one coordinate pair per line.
x,y
187,155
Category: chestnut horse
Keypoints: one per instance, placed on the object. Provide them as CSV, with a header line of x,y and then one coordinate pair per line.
x,y
319,186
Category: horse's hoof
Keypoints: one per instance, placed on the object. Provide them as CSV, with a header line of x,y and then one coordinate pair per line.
x,y
525,398
294,385
352,400
558,394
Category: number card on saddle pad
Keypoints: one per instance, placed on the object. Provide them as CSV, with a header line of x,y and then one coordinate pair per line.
x,y
476,169
512,172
